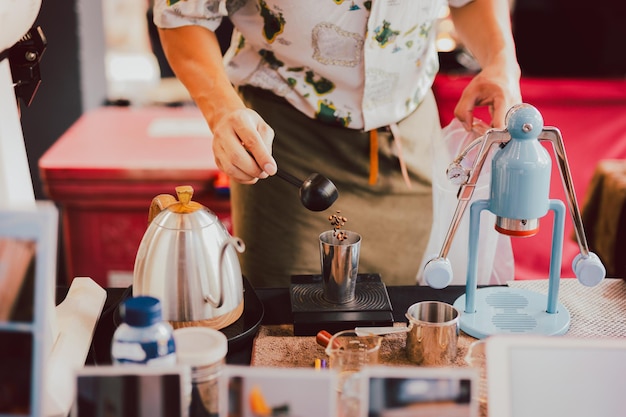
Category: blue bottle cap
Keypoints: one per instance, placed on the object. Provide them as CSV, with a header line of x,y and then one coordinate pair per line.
x,y
141,311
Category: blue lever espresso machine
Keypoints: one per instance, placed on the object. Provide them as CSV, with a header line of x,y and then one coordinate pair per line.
x,y
519,197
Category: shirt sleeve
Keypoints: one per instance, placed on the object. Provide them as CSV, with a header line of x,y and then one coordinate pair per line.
x,y
458,3
175,13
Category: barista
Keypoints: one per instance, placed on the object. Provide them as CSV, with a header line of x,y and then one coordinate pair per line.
x,y
336,87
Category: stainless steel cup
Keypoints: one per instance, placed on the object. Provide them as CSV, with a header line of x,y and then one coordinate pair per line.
x,y
433,334
340,264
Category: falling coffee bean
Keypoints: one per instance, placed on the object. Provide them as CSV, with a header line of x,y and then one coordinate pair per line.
x,y
337,221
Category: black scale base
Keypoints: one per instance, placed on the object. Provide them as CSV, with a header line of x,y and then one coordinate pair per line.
x,y
312,313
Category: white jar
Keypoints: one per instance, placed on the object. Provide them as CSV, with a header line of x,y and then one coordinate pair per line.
x,y
204,350
143,337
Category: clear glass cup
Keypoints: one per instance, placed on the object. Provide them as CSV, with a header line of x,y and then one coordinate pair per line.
x,y
348,354
476,357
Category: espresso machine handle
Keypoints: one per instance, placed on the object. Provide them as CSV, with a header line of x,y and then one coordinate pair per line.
x,y
587,265
438,271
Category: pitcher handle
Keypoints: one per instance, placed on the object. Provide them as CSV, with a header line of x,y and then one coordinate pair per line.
x,y
239,247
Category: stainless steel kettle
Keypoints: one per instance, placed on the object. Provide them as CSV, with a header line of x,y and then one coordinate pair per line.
x,y
188,260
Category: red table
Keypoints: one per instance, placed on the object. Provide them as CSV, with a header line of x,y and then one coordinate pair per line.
x,y
104,172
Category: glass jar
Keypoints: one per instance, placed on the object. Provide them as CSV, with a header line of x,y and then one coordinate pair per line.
x,y
204,350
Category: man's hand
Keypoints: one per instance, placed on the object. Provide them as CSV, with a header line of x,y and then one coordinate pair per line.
x,y
242,144
484,27
493,88
242,140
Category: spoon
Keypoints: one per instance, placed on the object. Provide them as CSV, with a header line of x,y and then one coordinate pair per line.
x,y
317,193
366,331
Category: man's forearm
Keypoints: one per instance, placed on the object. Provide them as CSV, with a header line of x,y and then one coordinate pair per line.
x,y
194,54
484,27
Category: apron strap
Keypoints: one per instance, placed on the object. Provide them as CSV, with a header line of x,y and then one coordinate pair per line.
x,y
395,133
373,156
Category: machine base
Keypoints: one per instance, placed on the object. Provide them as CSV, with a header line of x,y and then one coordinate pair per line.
x,y
511,310
312,313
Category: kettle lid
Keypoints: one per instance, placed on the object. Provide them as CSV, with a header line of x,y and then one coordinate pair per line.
x,y
184,203
166,211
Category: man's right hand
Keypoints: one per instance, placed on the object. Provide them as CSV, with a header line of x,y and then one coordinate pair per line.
x,y
242,140
242,146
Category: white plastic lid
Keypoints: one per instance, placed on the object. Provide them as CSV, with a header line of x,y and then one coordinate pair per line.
x,y
200,346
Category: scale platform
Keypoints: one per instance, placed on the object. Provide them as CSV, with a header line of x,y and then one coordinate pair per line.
x,y
312,313
513,311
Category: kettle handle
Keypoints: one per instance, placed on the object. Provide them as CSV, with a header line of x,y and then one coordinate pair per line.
x,y
159,203
240,247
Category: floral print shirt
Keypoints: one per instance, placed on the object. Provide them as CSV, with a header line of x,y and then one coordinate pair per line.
x,y
360,64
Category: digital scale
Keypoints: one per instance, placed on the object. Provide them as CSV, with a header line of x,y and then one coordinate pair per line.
x,y
312,312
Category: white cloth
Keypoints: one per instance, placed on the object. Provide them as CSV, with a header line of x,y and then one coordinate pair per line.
x,y
359,64
494,256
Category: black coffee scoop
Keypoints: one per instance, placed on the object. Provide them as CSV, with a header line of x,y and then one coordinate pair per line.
x,y
317,193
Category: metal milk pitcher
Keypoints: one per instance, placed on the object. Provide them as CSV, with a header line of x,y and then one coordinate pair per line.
x,y
188,260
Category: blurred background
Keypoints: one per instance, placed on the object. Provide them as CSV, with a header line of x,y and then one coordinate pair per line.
x,y
107,54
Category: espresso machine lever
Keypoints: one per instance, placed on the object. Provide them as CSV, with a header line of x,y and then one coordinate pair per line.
x,y
586,265
438,271
519,197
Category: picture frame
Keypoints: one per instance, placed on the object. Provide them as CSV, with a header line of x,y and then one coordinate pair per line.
x,y
387,391
542,375
27,330
248,391
132,390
